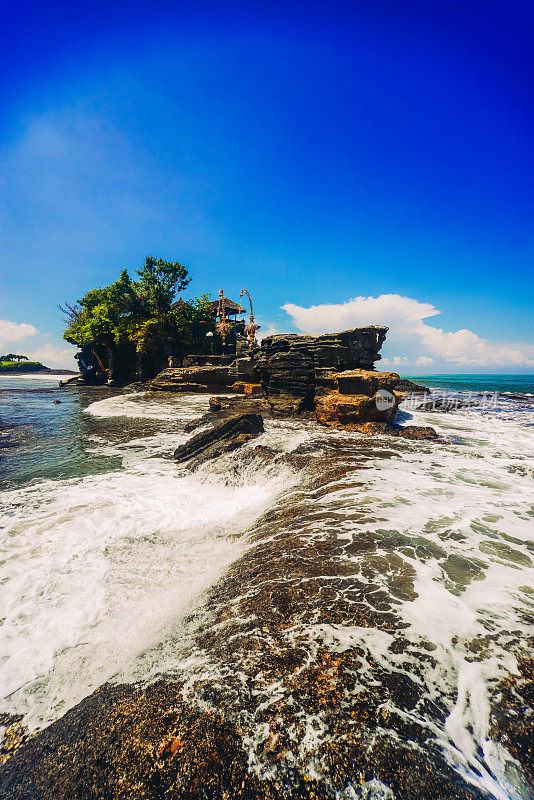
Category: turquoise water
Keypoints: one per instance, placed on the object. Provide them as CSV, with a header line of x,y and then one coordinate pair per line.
x,y
512,384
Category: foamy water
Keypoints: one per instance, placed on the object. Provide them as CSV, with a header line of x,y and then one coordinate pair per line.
x,y
96,570
102,574
461,516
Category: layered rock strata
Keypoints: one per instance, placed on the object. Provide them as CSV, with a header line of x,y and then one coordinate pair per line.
x,y
347,399
204,377
289,364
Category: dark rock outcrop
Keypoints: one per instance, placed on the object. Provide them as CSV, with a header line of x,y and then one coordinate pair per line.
x,y
189,379
406,386
225,437
241,405
134,388
289,364
389,429
206,377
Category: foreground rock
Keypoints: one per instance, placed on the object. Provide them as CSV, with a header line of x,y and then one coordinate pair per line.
x,y
124,743
349,398
225,437
237,725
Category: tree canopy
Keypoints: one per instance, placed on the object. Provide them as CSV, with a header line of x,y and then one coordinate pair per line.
x,y
137,311
13,357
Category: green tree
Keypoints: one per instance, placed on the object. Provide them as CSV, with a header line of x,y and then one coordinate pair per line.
x,y
138,316
13,357
159,282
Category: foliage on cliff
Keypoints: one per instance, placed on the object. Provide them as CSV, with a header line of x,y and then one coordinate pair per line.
x,y
137,312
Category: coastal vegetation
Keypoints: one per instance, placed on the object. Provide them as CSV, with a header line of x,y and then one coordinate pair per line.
x,y
11,362
132,326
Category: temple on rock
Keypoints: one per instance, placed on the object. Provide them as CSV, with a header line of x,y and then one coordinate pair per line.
x,y
218,339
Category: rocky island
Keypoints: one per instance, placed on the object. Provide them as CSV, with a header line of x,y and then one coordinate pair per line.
x,y
330,378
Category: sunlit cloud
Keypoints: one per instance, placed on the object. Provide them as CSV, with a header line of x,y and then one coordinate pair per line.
x,y
11,332
410,340
26,340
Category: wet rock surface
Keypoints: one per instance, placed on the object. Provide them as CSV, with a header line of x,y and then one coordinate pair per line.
x,y
204,378
148,744
281,704
306,680
207,377
224,437
512,721
390,429
134,388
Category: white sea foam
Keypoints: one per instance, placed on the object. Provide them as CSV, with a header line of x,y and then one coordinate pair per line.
x,y
35,376
99,569
471,497
151,405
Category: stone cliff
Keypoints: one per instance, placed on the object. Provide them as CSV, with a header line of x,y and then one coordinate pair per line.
x,y
331,376
290,365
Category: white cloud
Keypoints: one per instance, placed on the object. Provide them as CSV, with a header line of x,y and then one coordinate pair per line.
x,y
423,361
11,332
396,361
14,336
267,330
409,333
52,356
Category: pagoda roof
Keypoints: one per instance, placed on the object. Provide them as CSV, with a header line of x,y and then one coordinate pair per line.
x,y
179,303
229,306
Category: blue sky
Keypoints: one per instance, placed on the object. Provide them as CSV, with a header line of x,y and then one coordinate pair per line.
x,y
347,163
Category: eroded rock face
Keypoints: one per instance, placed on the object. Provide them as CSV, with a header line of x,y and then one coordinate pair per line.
x,y
347,399
247,388
289,364
190,379
345,411
225,437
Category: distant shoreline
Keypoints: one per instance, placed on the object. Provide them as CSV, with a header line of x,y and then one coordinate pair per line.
x,y
43,371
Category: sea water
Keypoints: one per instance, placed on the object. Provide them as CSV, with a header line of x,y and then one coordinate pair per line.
x,y
107,545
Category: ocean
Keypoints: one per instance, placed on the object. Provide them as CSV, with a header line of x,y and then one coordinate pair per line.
x,y
400,570
504,384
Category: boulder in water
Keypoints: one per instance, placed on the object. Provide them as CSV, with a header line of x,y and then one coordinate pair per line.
x,y
389,429
349,398
225,437
133,388
406,386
